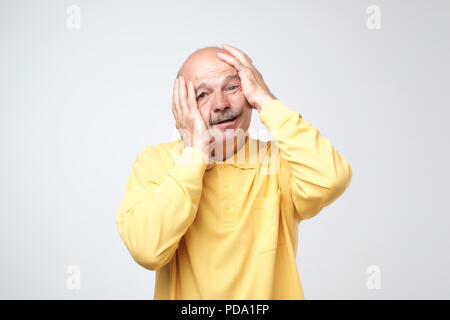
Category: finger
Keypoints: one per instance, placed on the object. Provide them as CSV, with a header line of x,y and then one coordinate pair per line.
x,y
174,111
175,115
175,99
192,99
231,60
242,56
182,97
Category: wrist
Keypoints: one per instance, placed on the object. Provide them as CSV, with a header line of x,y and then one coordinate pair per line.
x,y
262,100
198,144
193,156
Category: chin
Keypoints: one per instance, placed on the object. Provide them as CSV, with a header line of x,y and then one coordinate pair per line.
x,y
233,135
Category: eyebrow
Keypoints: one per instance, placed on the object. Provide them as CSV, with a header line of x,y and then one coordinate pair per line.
x,y
225,80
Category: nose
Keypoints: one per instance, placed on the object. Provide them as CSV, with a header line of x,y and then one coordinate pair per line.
x,y
220,102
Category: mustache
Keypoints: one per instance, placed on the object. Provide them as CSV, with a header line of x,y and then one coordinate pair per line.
x,y
225,115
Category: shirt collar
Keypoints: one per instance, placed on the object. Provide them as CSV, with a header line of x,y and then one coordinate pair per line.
x,y
245,158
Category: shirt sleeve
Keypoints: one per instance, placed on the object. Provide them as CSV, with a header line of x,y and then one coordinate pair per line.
x,y
157,209
317,173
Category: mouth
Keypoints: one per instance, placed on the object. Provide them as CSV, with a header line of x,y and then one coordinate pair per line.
x,y
226,122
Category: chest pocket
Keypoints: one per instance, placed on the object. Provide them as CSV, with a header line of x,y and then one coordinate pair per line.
x,y
266,213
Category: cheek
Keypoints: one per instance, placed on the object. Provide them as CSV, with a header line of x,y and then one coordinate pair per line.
x,y
238,99
205,115
245,118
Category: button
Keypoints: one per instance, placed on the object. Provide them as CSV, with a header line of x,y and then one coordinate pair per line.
x,y
226,186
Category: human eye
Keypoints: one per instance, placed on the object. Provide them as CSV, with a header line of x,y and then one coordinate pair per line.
x,y
201,95
233,87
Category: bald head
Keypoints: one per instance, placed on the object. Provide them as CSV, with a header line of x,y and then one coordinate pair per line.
x,y
200,58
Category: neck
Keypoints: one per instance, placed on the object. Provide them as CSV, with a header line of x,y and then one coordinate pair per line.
x,y
229,148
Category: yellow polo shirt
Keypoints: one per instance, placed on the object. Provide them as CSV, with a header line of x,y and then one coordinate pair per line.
x,y
228,230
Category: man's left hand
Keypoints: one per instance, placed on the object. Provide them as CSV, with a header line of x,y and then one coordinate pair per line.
x,y
255,89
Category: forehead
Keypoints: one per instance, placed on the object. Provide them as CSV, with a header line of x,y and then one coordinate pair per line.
x,y
210,71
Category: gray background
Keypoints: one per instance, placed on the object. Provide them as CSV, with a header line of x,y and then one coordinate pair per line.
x,y
77,106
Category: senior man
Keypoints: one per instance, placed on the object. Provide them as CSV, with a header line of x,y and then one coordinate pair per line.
x,y
211,212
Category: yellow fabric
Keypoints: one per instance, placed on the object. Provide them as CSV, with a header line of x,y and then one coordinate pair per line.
x,y
228,230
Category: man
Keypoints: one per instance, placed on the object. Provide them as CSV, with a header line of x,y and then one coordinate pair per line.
x,y
206,211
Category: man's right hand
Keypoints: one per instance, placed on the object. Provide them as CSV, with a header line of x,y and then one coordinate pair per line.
x,y
189,121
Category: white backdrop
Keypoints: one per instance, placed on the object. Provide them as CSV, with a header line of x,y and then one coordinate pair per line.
x,y
78,105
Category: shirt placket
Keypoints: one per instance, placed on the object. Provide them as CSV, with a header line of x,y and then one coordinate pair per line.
x,y
228,206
